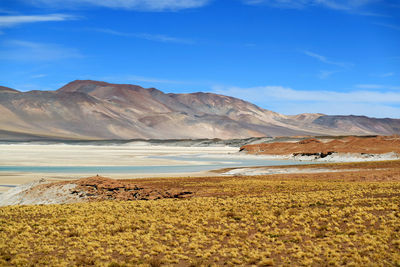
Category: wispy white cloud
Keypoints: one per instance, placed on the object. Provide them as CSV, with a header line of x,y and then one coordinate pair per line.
x,y
163,38
343,4
285,93
152,80
38,76
131,78
333,4
278,3
17,50
8,21
390,26
147,36
384,74
370,86
351,6
326,60
6,11
393,5
388,74
144,5
290,101
324,74
377,86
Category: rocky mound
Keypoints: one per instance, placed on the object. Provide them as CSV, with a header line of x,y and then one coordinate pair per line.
x,y
100,188
310,141
95,188
362,145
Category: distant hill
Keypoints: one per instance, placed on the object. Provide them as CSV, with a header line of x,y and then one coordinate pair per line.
x,y
99,110
7,90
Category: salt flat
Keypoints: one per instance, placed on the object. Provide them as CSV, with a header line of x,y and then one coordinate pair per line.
x,y
95,155
23,162
92,155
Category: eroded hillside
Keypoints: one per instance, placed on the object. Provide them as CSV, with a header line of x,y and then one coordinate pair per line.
x,y
99,110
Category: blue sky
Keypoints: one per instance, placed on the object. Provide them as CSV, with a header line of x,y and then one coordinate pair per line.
x,y
327,56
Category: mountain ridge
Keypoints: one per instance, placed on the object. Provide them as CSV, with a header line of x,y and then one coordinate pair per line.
x,y
86,109
7,89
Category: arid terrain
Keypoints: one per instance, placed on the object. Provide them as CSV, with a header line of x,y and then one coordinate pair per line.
x,y
199,133
328,214
342,218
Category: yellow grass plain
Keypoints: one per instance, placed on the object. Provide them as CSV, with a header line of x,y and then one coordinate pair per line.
x,y
329,219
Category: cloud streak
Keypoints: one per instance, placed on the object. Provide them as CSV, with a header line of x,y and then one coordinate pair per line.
x,y
390,26
325,74
18,50
377,86
142,5
38,76
152,80
324,59
332,4
147,36
290,101
289,94
388,74
351,6
9,21
144,79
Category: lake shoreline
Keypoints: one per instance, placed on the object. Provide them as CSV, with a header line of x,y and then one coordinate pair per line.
x,y
59,162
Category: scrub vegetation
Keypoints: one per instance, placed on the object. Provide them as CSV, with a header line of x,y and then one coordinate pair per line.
x,y
342,218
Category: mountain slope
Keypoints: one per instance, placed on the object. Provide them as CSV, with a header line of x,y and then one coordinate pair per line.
x,y
100,110
4,89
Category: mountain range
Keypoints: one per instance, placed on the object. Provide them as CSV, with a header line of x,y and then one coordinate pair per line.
x,y
94,110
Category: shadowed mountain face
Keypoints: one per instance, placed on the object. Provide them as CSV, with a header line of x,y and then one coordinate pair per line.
x,y
99,110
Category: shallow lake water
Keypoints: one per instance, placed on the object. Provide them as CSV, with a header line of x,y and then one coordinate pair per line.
x,y
200,162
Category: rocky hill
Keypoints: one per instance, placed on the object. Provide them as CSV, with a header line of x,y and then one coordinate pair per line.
x,y
96,110
350,144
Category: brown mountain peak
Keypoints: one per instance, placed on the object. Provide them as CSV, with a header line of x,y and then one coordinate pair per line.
x,y
87,86
82,85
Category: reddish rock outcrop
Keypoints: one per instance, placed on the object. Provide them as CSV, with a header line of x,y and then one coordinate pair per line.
x,y
352,144
101,188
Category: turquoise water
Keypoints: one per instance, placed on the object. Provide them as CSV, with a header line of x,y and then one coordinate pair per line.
x,y
209,164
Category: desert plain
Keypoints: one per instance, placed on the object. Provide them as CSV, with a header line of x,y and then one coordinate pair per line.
x,y
322,214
